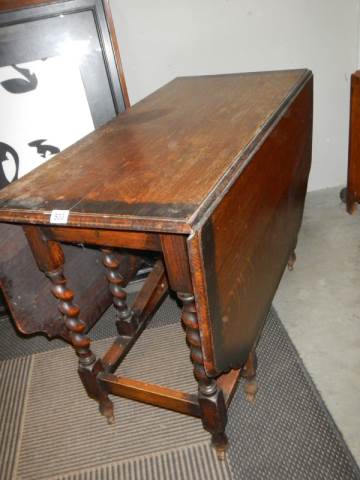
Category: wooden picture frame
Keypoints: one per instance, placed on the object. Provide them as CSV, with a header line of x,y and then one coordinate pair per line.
x,y
33,29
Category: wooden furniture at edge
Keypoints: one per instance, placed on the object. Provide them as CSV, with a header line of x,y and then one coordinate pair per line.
x,y
210,172
351,194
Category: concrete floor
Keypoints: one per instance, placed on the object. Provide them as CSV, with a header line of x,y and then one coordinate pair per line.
x,y
319,304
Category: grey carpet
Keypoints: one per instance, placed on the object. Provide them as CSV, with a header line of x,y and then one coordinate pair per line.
x,y
12,342
49,428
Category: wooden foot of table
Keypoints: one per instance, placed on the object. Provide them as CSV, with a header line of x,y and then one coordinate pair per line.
x,y
89,367
291,261
220,443
351,200
249,373
50,259
210,396
88,375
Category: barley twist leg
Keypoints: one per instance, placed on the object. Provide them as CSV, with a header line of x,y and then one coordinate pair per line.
x,y
211,398
126,322
89,367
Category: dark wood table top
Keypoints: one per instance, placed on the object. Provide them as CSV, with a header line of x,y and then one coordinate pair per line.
x,y
161,165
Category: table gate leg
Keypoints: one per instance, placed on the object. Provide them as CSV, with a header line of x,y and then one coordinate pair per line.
x,y
50,259
211,398
249,373
292,258
89,367
291,261
126,322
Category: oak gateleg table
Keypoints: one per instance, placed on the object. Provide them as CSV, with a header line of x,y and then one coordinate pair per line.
x,y
211,173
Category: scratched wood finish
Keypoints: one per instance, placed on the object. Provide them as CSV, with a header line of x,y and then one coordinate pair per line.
x,y
353,183
161,164
145,305
247,240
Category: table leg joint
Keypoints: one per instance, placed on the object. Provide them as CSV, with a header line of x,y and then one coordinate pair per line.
x,y
145,305
127,322
157,395
210,396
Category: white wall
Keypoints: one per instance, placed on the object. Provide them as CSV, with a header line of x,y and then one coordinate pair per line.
x,y
162,39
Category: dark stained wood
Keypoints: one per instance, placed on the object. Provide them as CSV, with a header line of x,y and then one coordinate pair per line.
x,y
3,310
291,261
145,306
47,253
153,162
50,259
248,239
126,321
249,373
228,383
211,397
353,183
88,375
177,262
110,238
201,297
152,292
154,394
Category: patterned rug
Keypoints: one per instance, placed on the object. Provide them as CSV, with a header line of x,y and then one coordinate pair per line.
x,y
50,429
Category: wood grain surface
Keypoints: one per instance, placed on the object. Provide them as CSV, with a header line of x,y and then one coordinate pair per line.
x,y
160,165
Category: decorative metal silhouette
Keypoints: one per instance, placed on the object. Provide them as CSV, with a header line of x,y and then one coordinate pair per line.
x,y
44,150
7,153
21,85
